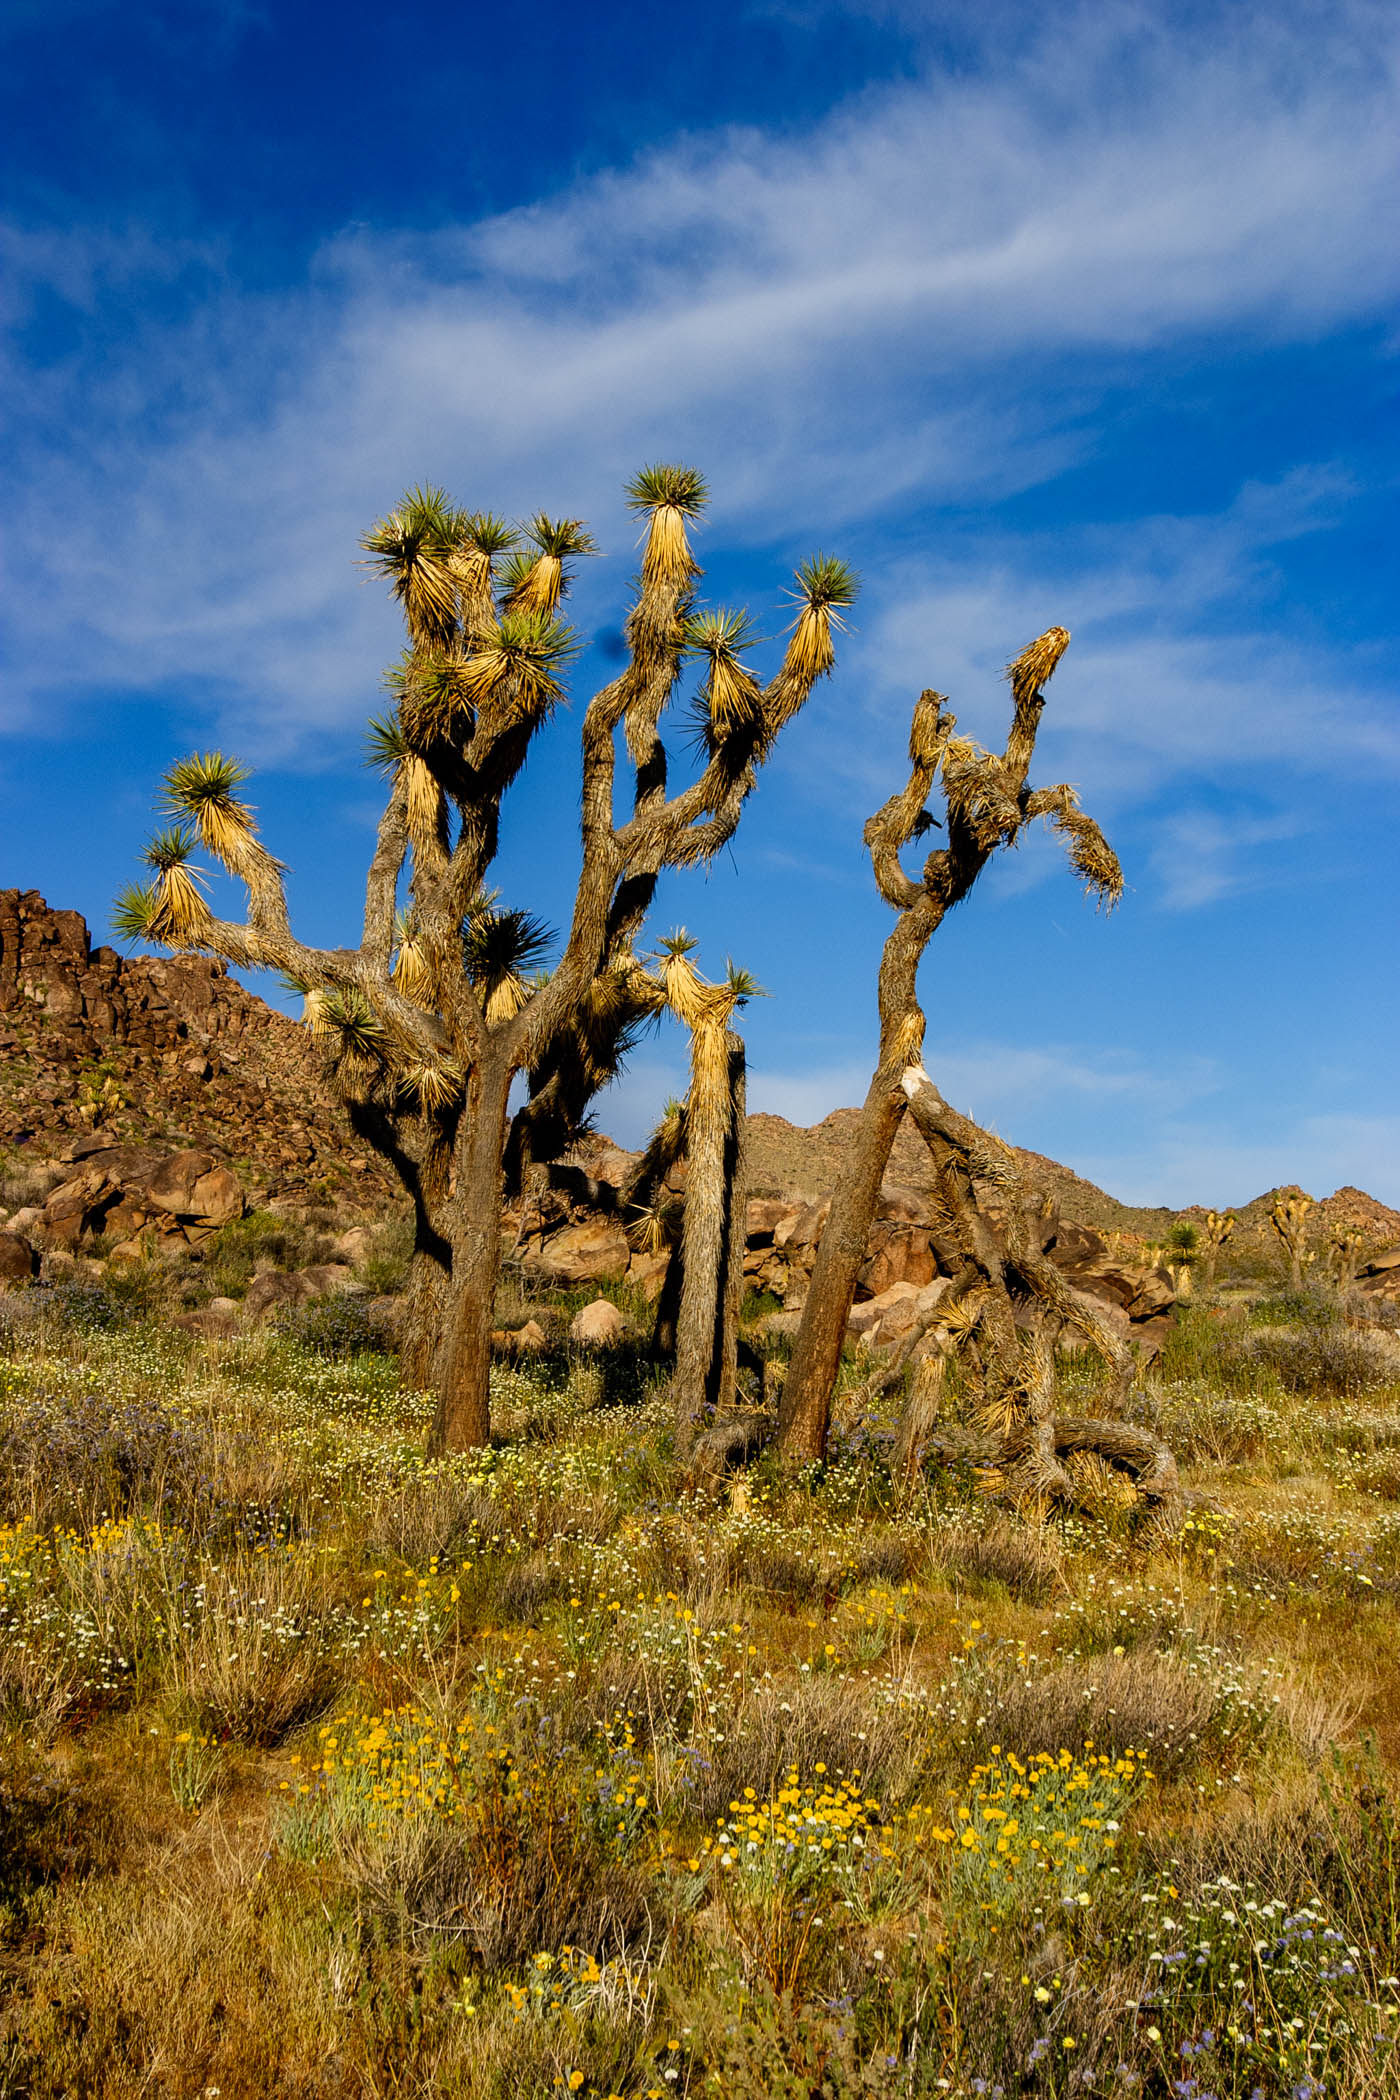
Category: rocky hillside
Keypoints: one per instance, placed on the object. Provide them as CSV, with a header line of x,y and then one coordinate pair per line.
x,y
100,1054
173,1054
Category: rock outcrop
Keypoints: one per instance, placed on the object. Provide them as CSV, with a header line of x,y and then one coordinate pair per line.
x,y
171,1053
126,1201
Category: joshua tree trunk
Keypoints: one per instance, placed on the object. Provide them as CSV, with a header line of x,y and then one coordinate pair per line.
x,y
463,1369
705,1237
736,1202
805,1408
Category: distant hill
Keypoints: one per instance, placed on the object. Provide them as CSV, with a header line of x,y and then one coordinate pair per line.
x,y
177,1051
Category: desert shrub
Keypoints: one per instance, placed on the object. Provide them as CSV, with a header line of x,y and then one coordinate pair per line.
x,y
1177,1708
1319,1359
1004,1557
92,1306
384,1269
1315,1308
499,1836
820,1724
338,1328
26,1182
67,1460
434,1517
260,1654
262,1239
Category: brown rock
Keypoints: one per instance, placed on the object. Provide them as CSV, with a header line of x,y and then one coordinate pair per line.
x,y
212,1325
647,1273
218,1198
762,1217
18,1261
194,1185
586,1253
329,1279
598,1326
800,1234
356,1245
272,1288
530,1338
899,1253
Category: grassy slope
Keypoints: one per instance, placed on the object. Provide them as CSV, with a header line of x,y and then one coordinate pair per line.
x,y
328,1773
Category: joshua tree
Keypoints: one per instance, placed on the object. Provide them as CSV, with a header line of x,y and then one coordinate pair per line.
x,y
429,1020
1219,1226
987,805
1180,1252
1347,1243
1289,1217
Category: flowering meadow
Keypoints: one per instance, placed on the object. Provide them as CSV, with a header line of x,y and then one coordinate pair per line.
x,y
331,1771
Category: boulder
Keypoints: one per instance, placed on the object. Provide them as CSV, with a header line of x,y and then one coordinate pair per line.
x,y
899,1253
887,1319
785,1323
1381,1264
356,1245
272,1288
762,1217
530,1338
329,1279
586,1253
18,1261
25,1220
598,1326
194,1185
799,1232
209,1324
647,1273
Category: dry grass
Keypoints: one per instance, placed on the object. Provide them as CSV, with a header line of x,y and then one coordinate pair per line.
x,y
230,1582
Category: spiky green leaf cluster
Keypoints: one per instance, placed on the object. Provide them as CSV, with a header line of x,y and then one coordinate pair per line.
x,y
560,537
169,849
485,533
827,583
206,779
505,943
136,913
668,488
386,746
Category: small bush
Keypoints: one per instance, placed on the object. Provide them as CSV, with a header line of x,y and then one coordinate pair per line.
x,y
1334,1360
335,1328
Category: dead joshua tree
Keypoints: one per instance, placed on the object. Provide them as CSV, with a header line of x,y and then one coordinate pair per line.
x,y
987,806
428,1021
711,1252
1289,1217
1003,1309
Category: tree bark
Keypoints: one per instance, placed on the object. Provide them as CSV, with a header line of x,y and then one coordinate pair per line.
x,y
699,1330
735,1240
463,1374
804,1413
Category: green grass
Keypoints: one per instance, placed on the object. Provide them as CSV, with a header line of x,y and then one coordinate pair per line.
x,y
331,1771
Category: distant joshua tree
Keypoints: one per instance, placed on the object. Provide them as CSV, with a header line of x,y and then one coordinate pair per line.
x,y
1288,1214
427,1023
1219,1228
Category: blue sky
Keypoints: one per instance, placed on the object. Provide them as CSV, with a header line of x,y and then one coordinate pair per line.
x,y
1034,313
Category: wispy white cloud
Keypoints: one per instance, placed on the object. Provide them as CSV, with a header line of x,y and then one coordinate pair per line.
x,y
836,324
